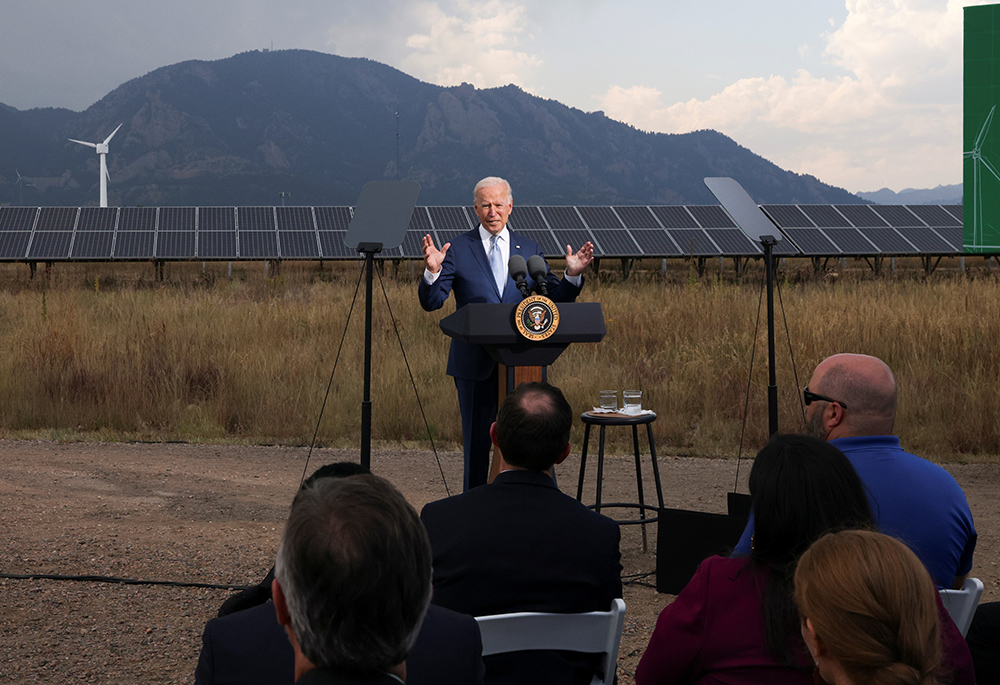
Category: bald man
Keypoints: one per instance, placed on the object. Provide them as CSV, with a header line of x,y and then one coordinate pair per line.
x,y
851,403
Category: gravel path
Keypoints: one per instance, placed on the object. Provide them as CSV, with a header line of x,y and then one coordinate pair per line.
x,y
213,515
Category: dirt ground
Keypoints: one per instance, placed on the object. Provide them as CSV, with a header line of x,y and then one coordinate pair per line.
x,y
213,515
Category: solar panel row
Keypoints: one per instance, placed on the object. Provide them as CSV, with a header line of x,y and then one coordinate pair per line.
x,y
232,233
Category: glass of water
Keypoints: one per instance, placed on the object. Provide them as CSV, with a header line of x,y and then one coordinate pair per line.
x,y
632,400
609,400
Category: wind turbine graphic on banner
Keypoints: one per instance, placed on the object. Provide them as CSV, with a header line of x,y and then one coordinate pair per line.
x,y
978,162
102,150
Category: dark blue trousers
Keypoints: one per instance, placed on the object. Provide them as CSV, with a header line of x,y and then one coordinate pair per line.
x,y
477,401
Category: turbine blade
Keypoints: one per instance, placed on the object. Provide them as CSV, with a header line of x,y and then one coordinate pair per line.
x,y
106,140
989,166
985,129
83,142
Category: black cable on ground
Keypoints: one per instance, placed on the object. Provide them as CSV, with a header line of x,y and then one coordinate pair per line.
x,y
120,581
637,576
639,579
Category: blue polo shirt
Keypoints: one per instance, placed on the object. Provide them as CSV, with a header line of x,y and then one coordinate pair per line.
x,y
911,499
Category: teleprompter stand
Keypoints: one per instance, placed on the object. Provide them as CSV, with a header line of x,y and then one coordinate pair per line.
x,y
522,360
759,229
685,538
380,220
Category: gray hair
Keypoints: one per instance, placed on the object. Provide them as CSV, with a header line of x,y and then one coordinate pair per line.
x,y
490,182
354,565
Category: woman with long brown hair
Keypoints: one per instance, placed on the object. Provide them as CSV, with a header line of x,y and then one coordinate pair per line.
x,y
869,612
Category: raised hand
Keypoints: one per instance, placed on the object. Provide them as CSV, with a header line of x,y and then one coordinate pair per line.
x,y
576,263
433,256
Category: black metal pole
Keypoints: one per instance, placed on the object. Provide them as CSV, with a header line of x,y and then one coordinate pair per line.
x,y
772,380
366,400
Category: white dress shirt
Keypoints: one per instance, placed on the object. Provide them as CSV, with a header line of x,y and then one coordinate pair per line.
x,y
503,242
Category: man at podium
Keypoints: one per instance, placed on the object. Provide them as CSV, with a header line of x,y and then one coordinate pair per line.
x,y
474,265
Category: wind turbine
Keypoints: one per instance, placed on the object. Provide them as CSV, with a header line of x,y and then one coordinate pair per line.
x,y
20,187
978,161
102,150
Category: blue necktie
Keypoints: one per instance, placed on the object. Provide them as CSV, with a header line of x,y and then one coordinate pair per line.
x,y
496,263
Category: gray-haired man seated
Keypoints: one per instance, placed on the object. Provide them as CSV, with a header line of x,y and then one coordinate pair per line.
x,y
352,581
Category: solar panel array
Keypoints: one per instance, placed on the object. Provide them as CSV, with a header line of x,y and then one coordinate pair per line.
x,y
870,230
258,233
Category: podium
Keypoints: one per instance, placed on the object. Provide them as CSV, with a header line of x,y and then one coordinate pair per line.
x,y
522,360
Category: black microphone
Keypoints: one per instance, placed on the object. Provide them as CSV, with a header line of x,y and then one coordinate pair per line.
x,y
518,269
539,270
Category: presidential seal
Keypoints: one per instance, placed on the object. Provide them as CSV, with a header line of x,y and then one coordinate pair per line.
x,y
536,318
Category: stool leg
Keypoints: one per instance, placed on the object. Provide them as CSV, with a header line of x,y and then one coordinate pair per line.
x,y
638,480
656,468
600,470
583,461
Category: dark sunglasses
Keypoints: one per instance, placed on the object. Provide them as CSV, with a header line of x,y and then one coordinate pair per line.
x,y
811,397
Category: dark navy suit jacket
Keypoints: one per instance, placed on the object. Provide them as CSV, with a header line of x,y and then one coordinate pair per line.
x,y
466,271
520,544
249,647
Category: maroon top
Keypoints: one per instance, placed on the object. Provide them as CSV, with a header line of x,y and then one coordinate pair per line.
x,y
713,634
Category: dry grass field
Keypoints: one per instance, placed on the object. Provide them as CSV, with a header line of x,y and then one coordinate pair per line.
x,y
105,352
97,354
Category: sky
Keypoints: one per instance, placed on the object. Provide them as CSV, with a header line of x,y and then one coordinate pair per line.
x,y
863,94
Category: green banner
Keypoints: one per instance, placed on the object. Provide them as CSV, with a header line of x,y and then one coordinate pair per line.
x,y
981,137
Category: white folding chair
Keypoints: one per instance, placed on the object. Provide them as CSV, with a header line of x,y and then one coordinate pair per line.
x,y
961,604
596,632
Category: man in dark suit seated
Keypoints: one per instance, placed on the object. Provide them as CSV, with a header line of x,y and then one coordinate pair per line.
x,y
519,544
247,646
352,581
474,266
250,647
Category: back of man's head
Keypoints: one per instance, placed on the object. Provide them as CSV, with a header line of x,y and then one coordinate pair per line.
x,y
339,469
866,386
354,567
533,426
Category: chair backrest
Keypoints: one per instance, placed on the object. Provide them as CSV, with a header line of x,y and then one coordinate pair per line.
x,y
596,632
961,604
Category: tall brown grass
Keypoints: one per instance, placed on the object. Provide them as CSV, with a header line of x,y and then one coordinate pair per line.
x,y
105,352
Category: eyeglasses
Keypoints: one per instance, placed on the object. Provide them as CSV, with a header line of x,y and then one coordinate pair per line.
x,y
811,397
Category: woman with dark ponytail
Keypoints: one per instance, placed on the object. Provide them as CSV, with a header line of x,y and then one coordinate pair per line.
x,y
736,621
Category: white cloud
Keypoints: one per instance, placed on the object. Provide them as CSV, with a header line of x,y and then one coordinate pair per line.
x,y
894,114
475,42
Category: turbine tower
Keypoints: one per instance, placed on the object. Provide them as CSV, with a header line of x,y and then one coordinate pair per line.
x,y
102,150
978,162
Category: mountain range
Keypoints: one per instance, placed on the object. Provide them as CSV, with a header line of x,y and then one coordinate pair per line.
x,y
941,195
317,127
